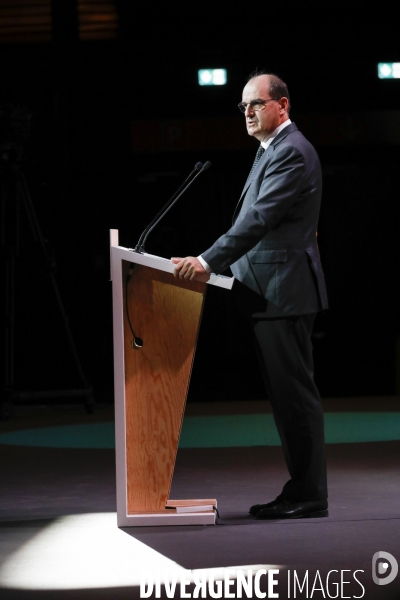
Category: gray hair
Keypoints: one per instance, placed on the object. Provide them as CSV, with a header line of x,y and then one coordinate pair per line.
x,y
277,87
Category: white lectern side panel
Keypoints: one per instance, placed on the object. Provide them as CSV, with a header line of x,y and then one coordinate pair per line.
x,y
119,385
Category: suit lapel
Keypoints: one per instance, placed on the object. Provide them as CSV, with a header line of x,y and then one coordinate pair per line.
x,y
261,163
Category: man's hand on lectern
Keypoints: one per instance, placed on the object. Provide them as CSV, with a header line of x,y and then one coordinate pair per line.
x,y
189,268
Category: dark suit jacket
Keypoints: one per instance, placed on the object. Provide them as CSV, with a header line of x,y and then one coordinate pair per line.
x,y
272,245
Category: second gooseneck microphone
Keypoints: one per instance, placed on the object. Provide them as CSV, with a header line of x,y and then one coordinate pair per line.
x,y
199,168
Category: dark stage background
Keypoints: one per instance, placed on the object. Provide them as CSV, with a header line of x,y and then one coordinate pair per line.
x,y
116,123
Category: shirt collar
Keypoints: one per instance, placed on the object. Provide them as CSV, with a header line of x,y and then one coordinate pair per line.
x,y
273,135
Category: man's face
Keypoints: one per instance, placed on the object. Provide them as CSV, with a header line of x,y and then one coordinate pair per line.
x,y
262,123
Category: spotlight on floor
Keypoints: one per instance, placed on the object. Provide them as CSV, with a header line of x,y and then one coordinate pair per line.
x,y
212,76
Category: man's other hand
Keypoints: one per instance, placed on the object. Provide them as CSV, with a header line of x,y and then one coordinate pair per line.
x,y
189,268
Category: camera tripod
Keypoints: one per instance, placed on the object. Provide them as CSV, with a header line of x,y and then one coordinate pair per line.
x,y
16,199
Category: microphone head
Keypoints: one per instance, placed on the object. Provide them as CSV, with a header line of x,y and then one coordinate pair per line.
x,y
198,166
206,166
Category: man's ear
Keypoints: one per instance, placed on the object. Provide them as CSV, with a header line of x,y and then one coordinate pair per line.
x,y
283,104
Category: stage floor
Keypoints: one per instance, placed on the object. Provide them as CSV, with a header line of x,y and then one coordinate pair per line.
x,y
58,533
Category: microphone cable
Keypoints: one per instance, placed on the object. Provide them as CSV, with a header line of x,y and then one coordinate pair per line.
x,y
136,342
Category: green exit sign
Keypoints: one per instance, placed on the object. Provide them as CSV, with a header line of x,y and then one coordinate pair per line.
x,y
212,77
389,70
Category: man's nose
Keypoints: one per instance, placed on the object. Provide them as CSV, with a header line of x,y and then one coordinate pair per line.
x,y
249,110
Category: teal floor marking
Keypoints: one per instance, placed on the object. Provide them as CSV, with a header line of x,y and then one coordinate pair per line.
x,y
229,431
259,430
225,431
92,435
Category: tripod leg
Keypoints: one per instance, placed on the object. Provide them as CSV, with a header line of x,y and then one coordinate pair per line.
x,y
6,407
38,236
9,253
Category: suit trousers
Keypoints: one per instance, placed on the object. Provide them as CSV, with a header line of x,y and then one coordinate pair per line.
x,y
285,353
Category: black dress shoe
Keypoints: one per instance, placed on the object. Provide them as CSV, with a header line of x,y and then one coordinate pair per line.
x,y
293,510
256,507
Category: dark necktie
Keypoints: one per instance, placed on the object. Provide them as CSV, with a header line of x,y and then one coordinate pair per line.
x,y
259,154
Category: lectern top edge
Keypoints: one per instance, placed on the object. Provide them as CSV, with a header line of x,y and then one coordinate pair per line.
x,y
157,262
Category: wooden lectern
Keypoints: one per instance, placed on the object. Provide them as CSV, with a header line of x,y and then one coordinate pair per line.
x,y
151,383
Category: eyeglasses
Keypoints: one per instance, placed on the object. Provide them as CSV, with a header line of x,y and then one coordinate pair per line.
x,y
254,104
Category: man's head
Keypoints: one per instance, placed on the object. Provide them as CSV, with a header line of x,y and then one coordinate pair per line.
x,y
264,117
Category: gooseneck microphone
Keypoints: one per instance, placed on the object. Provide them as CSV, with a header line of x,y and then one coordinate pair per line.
x,y
199,168
137,342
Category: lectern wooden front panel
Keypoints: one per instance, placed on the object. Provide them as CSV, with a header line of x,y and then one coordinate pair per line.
x,y
165,313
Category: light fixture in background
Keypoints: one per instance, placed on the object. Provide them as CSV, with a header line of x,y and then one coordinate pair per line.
x,y
212,76
97,20
389,70
28,21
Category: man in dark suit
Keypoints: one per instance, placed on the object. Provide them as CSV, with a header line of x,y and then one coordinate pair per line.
x,y
272,251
